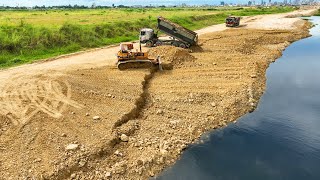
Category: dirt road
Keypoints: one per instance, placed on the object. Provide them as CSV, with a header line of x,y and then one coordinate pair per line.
x,y
80,117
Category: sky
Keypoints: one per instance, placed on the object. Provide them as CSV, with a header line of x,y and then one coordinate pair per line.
x,y
30,3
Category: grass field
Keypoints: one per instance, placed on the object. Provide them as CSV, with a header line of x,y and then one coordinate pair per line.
x,y
26,36
318,13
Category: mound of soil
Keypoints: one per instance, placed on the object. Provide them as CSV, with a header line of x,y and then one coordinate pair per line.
x,y
171,55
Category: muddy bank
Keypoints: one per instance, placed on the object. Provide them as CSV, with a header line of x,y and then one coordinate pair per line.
x,y
105,123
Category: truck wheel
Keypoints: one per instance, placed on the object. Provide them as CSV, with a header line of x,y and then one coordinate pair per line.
x,y
182,45
149,43
158,43
175,44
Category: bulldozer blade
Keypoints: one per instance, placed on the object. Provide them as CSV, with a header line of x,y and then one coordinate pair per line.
x,y
136,65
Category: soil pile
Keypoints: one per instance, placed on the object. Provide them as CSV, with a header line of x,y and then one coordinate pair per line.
x,y
171,55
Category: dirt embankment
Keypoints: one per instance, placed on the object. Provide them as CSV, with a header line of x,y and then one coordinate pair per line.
x,y
222,83
102,123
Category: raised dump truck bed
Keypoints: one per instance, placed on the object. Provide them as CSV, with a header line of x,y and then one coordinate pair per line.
x,y
176,31
179,36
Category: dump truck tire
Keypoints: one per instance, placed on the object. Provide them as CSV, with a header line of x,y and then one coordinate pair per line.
x,y
149,43
175,44
159,43
182,45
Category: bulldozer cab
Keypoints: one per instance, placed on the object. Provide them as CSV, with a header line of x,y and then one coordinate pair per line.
x,y
126,47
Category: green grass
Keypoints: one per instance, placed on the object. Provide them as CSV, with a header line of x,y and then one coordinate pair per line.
x,y
27,36
318,13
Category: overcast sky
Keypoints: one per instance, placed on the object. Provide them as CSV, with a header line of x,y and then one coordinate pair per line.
x,y
110,2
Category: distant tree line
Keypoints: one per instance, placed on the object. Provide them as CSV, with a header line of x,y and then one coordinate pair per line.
x,y
93,6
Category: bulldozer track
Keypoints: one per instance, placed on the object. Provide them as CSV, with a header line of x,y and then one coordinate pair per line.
x,y
21,100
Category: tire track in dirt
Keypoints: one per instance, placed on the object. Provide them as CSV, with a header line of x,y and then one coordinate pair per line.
x,y
21,100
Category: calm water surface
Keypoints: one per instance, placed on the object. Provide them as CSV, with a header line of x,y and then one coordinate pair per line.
x,y
280,140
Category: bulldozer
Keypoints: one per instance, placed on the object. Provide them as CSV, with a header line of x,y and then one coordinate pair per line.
x,y
130,59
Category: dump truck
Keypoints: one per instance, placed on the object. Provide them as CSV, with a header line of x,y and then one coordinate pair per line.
x,y
130,59
232,21
178,36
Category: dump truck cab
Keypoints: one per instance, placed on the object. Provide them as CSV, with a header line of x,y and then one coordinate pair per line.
x,y
232,21
147,35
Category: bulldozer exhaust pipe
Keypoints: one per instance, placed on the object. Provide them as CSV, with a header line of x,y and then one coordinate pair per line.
x,y
159,63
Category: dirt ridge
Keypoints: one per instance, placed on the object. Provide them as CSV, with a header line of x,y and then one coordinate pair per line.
x,y
109,148
140,102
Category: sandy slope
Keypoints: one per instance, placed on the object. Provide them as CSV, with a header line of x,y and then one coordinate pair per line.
x,y
47,106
